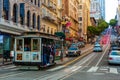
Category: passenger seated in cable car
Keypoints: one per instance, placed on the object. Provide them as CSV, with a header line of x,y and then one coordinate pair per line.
x,y
26,48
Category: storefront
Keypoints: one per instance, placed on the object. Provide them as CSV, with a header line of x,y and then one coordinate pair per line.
x,y
5,45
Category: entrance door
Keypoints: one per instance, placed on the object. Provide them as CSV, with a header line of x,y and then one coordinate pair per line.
x,y
35,50
19,50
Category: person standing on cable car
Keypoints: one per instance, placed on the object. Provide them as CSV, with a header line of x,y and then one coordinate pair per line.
x,y
53,52
44,54
48,54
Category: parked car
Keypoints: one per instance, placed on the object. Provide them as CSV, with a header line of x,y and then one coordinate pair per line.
x,y
81,44
97,48
114,57
73,50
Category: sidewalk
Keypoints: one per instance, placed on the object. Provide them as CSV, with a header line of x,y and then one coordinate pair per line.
x,y
5,62
67,59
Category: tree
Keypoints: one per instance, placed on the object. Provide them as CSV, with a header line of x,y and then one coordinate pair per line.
x,y
91,30
60,34
102,26
113,22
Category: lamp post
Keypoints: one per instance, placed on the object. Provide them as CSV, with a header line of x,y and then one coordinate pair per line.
x,y
62,51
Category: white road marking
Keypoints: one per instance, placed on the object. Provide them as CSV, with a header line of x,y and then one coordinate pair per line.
x,y
73,67
77,68
56,68
113,70
93,69
70,69
101,56
87,59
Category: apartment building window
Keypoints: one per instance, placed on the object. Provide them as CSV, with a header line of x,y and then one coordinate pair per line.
x,y
48,30
6,9
22,13
80,18
34,20
44,28
38,3
80,6
51,30
80,24
38,22
35,2
15,11
28,18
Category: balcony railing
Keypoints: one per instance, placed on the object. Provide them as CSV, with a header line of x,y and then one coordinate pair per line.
x,y
45,16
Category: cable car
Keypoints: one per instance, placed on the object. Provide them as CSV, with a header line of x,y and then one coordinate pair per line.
x,y
34,49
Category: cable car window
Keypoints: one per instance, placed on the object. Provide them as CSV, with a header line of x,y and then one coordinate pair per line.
x,y
27,44
19,45
35,44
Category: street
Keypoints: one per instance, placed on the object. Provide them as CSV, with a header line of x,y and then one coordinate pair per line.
x,y
89,66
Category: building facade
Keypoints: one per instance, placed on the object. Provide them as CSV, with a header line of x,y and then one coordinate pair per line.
x,y
51,16
70,14
84,17
18,16
118,14
97,9
102,5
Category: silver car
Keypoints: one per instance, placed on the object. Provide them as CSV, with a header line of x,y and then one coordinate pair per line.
x,y
114,57
73,50
97,48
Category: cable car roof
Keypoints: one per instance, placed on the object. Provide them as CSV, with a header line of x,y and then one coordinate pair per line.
x,y
37,34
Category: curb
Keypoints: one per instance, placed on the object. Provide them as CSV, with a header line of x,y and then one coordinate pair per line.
x,y
6,63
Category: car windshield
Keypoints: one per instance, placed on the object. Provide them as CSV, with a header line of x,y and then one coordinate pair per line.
x,y
73,48
115,53
73,44
97,46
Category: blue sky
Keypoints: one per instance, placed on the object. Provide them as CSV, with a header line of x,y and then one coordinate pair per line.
x,y
110,9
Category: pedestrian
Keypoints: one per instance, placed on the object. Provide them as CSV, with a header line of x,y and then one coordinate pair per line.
x,y
44,54
53,52
48,54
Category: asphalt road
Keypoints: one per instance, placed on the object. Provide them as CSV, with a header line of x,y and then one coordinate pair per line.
x,y
92,67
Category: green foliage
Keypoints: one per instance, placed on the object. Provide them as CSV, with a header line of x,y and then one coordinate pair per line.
x,y
113,22
96,30
103,25
60,34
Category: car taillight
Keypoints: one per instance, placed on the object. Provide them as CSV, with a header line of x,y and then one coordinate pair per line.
x,y
110,58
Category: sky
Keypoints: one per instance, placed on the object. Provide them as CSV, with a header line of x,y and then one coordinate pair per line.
x,y
110,9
